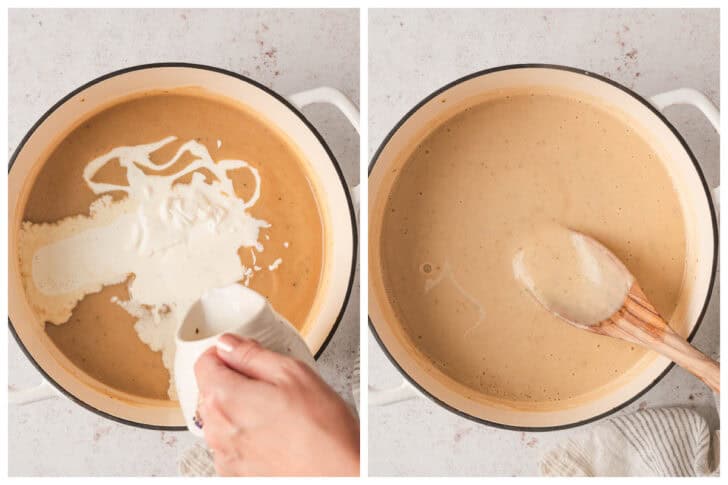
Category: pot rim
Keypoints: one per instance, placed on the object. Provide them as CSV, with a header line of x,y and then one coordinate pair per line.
x,y
270,92
701,176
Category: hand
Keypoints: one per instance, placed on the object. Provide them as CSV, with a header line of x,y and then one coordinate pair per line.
x,y
264,413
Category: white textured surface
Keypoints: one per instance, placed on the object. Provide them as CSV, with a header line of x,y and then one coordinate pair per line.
x,y
412,53
52,52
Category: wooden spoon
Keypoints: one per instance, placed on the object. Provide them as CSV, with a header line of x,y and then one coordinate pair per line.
x,y
638,322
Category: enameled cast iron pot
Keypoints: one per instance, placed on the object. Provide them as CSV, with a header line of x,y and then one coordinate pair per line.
x,y
284,113
701,242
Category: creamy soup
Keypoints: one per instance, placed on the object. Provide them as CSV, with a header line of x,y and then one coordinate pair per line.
x,y
474,192
238,205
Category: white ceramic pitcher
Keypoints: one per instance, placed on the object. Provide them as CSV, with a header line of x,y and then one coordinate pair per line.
x,y
233,309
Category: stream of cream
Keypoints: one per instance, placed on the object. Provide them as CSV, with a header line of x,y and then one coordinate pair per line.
x,y
176,239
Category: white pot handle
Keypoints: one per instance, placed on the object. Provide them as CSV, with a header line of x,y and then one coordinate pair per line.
x,y
331,96
383,397
29,395
692,97
339,100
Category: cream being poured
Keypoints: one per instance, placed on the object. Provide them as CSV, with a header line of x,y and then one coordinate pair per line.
x,y
176,239
572,275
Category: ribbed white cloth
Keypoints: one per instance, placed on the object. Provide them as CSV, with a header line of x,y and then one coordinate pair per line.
x,y
196,461
650,442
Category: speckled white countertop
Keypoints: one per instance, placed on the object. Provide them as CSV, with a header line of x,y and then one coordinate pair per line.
x,y
51,52
412,53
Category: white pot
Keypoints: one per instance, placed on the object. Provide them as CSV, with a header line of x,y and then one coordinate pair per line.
x,y
334,199
701,242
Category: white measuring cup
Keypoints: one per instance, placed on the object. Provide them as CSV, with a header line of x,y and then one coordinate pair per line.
x,y
233,309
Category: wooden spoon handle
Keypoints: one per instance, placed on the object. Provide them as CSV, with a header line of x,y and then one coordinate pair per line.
x,y
691,359
638,322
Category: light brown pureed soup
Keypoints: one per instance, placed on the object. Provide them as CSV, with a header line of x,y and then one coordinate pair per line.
x,y
474,190
100,338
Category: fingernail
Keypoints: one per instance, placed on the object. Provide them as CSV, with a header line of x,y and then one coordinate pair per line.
x,y
226,343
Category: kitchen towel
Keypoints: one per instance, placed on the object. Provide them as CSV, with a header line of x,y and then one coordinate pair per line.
x,y
650,442
196,461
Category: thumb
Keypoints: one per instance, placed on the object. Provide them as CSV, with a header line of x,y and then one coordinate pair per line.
x,y
251,359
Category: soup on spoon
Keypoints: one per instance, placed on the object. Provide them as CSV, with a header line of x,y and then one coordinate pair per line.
x,y
571,275
579,280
